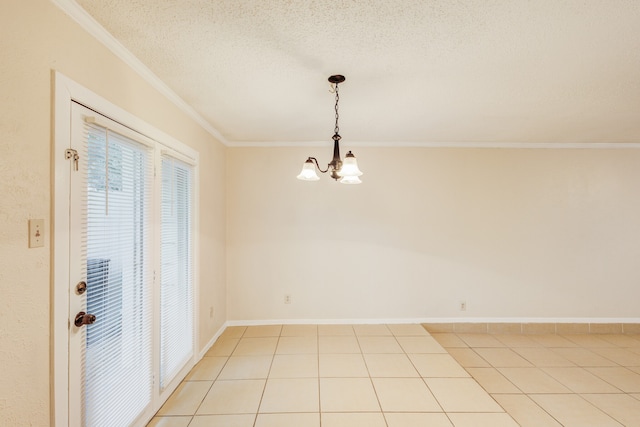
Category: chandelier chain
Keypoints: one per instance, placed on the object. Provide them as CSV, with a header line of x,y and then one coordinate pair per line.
x,y
337,128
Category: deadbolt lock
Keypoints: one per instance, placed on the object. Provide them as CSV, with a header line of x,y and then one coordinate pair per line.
x,y
81,287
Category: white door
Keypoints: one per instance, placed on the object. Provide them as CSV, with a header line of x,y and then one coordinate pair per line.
x,y
111,251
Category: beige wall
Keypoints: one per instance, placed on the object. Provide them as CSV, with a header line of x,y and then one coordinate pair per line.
x,y
517,233
36,38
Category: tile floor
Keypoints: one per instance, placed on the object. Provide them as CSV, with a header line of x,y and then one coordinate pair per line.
x,y
555,380
402,376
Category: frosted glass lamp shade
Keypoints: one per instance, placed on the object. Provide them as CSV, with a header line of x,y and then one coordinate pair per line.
x,y
308,172
350,180
350,167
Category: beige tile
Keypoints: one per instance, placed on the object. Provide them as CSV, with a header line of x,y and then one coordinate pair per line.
x,y
288,420
186,398
244,420
470,328
631,328
223,347
299,331
619,355
502,357
347,395
622,378
504,328
583,357
256,346
417,420
622,340
482,420
461,395
525,411
492,380
480,340
338,344
623,408
468,358
533,380
290,395
370,344
372,330
294,366
336,330
437,366
515,340
246,368
605,328
542,356
551,340
262,331
573,411
408,330
297,345
588,341
390,365
232,397
169,422
233,332
579,380
371,419
207,369
438,327
405,395
424,344
572,328
449,340
343,365
538,328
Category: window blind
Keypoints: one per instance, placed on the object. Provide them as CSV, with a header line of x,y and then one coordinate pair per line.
x,y
117,357
176,288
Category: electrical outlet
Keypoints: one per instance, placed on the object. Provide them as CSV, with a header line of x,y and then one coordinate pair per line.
x,y
287,299
463,306
36,233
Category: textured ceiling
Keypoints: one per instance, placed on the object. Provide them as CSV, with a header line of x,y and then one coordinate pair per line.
x,y
423,71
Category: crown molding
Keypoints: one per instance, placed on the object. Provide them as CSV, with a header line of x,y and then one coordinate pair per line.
x,y
90,25
410,144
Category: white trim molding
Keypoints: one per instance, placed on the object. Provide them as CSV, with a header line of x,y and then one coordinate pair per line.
x,y
424,144
585,320
90,25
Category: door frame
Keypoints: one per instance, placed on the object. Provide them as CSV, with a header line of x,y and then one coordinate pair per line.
x,y
65,92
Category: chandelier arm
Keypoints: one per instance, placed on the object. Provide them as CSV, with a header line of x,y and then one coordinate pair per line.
x,y
318,166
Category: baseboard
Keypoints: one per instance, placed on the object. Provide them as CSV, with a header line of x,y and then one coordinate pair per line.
x,y
262,322
578,325
212,341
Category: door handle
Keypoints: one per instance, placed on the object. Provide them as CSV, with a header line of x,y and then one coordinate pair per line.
x,y
83,318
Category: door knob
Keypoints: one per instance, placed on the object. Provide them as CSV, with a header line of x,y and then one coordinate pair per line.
x,y
83,318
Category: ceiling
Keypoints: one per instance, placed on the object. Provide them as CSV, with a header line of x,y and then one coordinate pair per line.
x,y
417,71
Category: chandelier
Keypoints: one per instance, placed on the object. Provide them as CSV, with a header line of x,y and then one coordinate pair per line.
x,y
346,171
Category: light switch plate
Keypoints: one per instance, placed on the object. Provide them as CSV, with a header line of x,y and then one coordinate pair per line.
x,y
36,233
